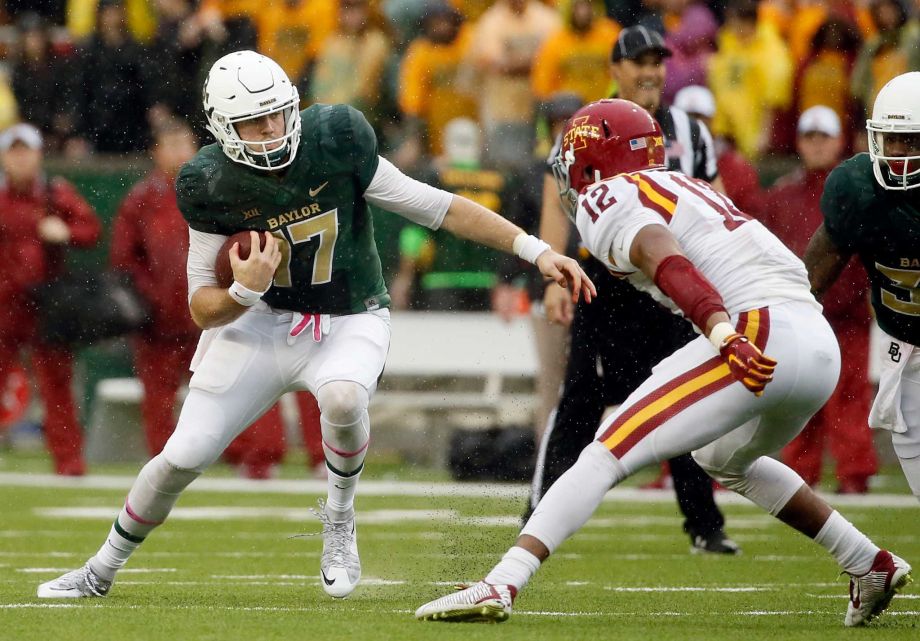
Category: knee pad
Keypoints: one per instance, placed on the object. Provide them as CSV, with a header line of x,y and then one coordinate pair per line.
x,y
345,425
342,402
767,482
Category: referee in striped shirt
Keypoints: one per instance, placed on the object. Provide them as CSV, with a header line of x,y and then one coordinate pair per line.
x,y
618,338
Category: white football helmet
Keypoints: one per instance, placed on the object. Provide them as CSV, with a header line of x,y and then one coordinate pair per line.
x,y
244,85
894,133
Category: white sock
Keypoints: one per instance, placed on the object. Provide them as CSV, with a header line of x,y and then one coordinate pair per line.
x,y
151,498
113,554
340,503
850,547
515,568
574,497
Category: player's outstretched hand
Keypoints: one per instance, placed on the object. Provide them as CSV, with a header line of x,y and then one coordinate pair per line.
x,y
557,305
567,273
747,363
257,271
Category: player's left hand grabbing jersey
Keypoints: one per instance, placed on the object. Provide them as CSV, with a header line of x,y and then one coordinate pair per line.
x,y
747,264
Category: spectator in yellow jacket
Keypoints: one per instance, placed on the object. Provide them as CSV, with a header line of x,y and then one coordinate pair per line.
x,y
750,76
798,22
431,87
894,50
291,32
349,67
575,58
81,18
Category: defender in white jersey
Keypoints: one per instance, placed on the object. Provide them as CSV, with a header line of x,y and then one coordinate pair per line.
x,y
719,396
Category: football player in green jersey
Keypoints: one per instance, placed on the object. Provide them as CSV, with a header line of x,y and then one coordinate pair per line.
x,y
872,210
309,310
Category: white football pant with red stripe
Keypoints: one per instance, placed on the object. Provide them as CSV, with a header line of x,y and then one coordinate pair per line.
x,y
691,403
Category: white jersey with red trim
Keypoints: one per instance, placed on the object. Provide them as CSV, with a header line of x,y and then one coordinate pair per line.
x,y
748,265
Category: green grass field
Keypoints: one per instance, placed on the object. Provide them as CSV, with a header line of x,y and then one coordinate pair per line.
x,y
224,567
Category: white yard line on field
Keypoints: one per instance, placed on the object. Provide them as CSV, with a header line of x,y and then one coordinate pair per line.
x,y
406,488
659,588
122,571
374,611
309,579
227,513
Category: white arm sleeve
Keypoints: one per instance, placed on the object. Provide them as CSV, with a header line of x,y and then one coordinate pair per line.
x,y
202,254
392,190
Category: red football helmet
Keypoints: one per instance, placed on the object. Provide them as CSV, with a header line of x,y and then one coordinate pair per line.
x,y
601,140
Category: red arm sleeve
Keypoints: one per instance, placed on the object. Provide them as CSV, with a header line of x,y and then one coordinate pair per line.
x,y
683,283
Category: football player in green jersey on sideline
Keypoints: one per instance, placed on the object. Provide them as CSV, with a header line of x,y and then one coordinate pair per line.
x,y
871,210
307,311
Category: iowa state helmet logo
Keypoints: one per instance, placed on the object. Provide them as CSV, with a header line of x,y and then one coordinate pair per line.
x,y
577,136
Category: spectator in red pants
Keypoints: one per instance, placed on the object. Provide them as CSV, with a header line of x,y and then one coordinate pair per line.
x,y
150,242
39,219
792,212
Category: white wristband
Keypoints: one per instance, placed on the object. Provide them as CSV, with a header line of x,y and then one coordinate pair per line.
x,y
719,332
529,247
243,295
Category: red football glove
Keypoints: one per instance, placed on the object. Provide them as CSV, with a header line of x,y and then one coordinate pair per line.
x,y
747,363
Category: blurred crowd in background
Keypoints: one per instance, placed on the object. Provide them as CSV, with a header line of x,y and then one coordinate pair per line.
x,y
93,75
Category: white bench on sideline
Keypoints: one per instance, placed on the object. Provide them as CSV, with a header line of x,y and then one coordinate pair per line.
x,y
477,348
439,364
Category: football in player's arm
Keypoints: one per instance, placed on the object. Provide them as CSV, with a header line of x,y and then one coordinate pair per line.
x,y
871,209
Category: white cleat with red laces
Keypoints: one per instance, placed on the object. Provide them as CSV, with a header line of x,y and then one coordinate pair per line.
x,y
480,602
871,593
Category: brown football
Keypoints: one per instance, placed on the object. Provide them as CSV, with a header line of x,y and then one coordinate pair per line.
x,y
222,269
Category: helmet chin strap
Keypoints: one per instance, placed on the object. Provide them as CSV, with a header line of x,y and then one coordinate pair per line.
x,y
270,158
279,153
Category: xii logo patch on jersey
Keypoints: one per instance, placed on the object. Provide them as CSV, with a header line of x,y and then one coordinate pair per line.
x,y
249,214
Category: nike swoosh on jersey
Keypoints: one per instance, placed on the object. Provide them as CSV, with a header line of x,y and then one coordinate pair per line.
x,y
313,191
325,580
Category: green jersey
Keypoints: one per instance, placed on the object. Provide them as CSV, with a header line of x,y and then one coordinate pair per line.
x,y
315,207
883,227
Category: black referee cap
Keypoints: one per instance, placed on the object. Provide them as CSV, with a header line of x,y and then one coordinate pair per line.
x,y
634,41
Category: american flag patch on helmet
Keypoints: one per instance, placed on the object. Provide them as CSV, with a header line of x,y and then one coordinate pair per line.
x,y
637,143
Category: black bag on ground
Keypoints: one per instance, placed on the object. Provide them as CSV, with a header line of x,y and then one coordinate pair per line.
x,y
83,308
494,454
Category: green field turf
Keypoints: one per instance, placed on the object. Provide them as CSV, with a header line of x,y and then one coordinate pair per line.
x,y
224,568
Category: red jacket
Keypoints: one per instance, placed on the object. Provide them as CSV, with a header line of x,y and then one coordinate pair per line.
x,y
25,260
792,211
740,178
150,242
